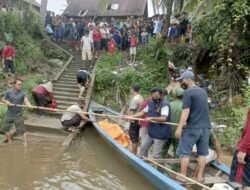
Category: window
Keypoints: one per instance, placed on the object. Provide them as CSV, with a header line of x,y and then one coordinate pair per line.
x,y
83,12
113,6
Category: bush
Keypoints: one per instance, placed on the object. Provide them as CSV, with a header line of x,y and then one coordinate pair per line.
x,y
29,83
3,109
114,78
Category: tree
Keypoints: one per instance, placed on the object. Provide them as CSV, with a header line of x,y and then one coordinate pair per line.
x,y
169,5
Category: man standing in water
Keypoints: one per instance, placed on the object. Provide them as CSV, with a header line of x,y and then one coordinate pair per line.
x,y
194,126
14,113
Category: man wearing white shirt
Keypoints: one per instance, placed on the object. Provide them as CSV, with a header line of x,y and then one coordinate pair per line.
x,y
104,37
87,46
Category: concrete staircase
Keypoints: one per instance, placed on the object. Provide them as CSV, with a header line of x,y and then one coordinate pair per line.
x,y
66,92
66,89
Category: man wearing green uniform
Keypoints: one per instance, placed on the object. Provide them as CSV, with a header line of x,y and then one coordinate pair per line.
x,y
176,110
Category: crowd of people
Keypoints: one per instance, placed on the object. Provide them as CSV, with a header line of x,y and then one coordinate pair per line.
x,y
94,35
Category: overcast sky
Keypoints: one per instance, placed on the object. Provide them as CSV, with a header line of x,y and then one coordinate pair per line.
x,y
58,6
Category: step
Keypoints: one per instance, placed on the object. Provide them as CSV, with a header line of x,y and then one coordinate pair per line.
x,y
49,125
69,74
62,107
76,64
71,90
66,103
63,93
63,85
72,70
68,78
66,98
67,82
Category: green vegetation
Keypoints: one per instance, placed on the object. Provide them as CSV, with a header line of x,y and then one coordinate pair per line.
x,y
115,77
23,29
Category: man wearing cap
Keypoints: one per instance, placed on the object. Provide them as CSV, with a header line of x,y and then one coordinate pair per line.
x,y
194,126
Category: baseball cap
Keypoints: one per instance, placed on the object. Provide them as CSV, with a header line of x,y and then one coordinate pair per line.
x,y
186,75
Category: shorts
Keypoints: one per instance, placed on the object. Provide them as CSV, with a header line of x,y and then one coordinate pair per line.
x,y
9,65
132,50
74,122
17,120
97,46
86,55
189,138
134,130
82,78
240,173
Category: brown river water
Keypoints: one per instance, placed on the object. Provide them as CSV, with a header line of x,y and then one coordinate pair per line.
x,y
88,164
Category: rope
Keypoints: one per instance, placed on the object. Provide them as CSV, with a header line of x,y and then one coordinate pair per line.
x,y
124,117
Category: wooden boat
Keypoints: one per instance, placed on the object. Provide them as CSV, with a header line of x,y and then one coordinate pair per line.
x,y
214,172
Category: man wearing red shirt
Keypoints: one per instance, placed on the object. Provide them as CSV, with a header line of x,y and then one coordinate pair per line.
x,y
8,56
133,46
44,96
240,169
97,40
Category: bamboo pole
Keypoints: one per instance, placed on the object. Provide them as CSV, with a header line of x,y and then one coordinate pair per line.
x,y
86,113
178,174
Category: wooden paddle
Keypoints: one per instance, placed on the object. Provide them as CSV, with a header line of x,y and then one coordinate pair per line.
x,y
177,174
87,113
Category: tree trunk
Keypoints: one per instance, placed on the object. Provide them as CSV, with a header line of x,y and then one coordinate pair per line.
x,y
177,6
153,5
43,10
169,5
181,5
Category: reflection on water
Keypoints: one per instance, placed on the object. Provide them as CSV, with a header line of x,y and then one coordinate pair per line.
x,y
88,164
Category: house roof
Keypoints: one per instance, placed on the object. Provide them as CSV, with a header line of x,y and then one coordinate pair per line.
x,y
100,7
33,2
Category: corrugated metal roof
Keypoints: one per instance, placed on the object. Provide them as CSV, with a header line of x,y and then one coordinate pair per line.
x,y
99,7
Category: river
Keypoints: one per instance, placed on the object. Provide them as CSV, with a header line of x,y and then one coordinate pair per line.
x,y
88,164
